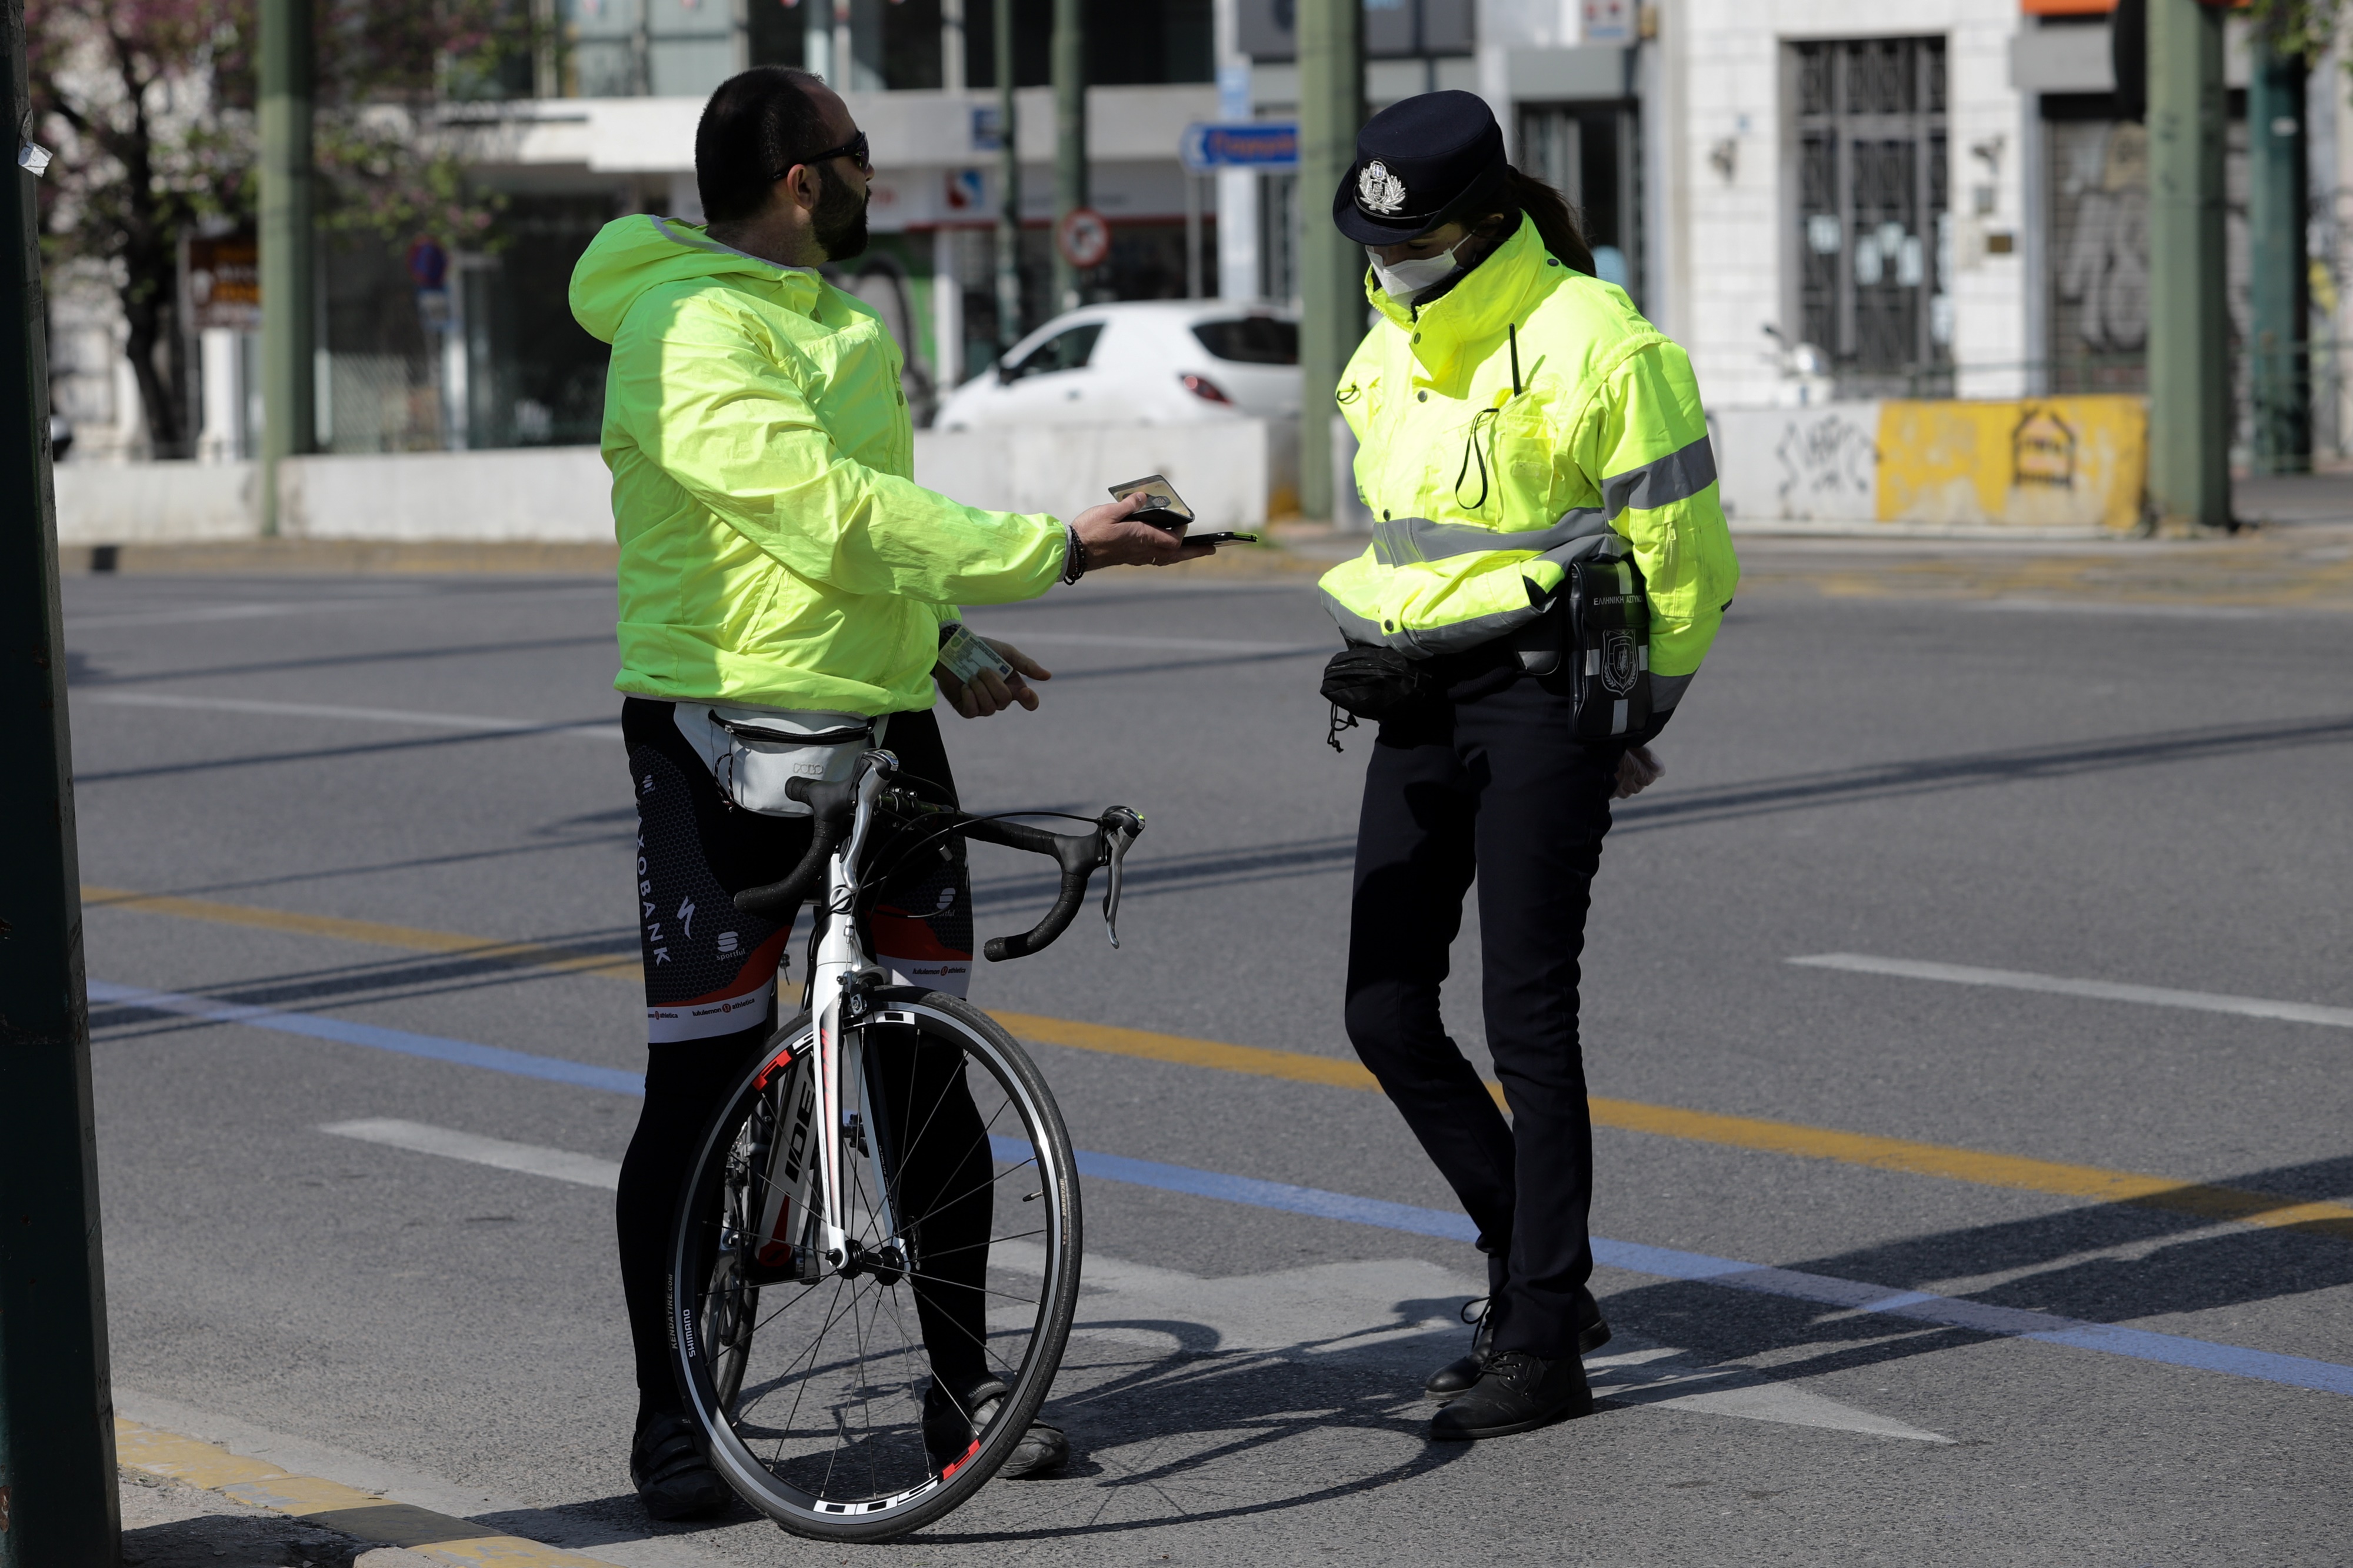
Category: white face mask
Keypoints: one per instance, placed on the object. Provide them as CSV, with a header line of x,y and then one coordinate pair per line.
x,y
1402,281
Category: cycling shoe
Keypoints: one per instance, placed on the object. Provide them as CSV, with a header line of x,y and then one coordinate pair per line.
x,y
667,1467
951,1437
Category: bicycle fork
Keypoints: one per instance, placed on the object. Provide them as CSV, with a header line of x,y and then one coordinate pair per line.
x,y
838,1060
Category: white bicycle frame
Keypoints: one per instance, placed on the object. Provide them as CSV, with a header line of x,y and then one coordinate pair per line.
x,y
840,956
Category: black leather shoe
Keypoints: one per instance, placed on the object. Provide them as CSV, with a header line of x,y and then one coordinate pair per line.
x,y
667,1467
1461,1372
1517,1393
950,1436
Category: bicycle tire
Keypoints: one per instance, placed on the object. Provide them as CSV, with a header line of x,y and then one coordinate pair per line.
x,y
748,1374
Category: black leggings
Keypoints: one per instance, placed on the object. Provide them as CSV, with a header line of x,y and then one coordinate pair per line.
x,y
694,852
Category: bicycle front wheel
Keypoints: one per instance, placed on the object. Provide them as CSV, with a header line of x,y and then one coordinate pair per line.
x,y
857,1394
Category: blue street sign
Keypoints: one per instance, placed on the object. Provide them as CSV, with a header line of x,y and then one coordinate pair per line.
x,y
1270,145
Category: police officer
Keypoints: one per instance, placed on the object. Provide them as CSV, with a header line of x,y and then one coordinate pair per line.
x,y
1515,414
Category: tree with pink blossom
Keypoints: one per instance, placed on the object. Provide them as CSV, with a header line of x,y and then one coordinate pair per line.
x,y
151,108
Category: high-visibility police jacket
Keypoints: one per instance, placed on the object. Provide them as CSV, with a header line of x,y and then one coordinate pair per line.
x,y
776,549
1481,494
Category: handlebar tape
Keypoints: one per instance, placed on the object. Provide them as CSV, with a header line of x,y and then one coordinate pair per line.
x,y
1077,853
832,806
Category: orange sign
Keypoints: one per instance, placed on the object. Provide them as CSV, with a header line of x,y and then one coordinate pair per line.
x,y
222,277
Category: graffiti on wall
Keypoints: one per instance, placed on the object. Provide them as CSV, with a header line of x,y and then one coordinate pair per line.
x,y
2071,462
2060,462
2100,245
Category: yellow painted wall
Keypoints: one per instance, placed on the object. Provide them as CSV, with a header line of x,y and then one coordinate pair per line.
x,y
2076,462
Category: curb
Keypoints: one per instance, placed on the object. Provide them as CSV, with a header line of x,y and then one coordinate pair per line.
x,y
383,1505
363,1515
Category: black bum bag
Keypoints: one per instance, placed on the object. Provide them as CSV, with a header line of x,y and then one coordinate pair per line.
x,y
1596,633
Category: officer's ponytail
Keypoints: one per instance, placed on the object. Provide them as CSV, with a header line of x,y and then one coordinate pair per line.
x,y
1556,220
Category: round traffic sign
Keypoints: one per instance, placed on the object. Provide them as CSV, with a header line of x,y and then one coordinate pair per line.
x,y
1083,236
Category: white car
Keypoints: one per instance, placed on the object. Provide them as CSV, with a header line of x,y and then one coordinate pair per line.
x,y
1142,362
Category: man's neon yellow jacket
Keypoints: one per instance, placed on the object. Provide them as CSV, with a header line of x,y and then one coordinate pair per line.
x,y
1481,495
776,549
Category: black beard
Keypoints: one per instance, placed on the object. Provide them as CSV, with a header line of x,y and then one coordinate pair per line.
x,y
838,222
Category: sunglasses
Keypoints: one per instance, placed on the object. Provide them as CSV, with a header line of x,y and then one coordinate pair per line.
x,y
855,150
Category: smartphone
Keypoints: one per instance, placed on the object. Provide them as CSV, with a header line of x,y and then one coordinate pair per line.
x,y
1165,508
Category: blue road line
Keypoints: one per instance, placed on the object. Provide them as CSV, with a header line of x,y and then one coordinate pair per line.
x,y
465,1053
1854,1295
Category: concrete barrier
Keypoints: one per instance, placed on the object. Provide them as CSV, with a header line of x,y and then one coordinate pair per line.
x,y
2072,463
1221,467
154,503
563,495
553,494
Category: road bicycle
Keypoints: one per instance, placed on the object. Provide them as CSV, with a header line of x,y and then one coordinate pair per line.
x,y
876,1259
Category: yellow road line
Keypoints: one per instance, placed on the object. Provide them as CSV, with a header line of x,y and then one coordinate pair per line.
x,y
331,1505
2202,1199
527,954
2206,1201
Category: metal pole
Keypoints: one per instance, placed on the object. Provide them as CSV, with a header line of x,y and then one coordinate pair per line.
x,y
288,305
1330,269
1070,134
1192,235
2278,358
58,1503
2189,376
1008,182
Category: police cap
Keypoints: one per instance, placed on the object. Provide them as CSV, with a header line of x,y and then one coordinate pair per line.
x,y
1420,164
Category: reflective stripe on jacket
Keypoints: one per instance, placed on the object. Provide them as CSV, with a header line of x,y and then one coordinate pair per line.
x,y
1481,495
776,549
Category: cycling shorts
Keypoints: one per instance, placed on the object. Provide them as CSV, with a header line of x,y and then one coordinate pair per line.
x,y
713,970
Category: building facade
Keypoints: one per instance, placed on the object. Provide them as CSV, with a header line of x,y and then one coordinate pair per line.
x,y
1820,199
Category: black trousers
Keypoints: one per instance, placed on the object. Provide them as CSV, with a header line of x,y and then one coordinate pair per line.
x,y
694,850
1491,786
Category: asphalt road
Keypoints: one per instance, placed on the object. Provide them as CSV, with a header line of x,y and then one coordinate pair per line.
x,y
2081,791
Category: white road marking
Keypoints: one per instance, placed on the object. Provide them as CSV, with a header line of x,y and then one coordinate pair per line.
x,y
2103,990
2110,607
1179,645
528,1158
264,609
363,715
1401,1312
1645,1374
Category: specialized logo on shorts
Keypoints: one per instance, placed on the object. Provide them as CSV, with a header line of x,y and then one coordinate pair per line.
x,y
1618,662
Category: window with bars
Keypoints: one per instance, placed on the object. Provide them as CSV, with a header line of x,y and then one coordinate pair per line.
x,y
1872,231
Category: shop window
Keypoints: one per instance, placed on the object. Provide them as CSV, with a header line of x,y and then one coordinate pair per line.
x,y
1871,226
1591,153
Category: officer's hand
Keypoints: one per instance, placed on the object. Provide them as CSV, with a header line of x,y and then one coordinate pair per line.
x,y
1638,770
1110,538
990,692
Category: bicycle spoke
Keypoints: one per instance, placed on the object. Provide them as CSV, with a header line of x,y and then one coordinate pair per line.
x,y
944,1202
825,1390
963,1285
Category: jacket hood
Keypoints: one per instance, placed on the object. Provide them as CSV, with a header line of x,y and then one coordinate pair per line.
x,y
632,255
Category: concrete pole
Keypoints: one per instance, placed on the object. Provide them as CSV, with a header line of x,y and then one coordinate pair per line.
x,y
1070,71
289,304
2278,359
57,1407
1331,268
2188,374
1009,182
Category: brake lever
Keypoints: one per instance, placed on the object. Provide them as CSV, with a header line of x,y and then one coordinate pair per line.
x,y
1122,826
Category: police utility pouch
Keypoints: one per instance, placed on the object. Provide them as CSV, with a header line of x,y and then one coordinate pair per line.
x,y
1607,610
753,752
1377,683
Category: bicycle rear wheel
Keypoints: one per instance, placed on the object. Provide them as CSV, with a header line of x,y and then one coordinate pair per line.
x,y
836,1395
